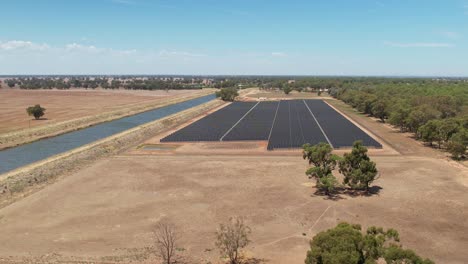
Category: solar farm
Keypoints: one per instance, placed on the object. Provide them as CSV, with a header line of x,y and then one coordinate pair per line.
x,y
285,124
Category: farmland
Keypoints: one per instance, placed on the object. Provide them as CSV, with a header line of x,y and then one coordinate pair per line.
x,y
63,105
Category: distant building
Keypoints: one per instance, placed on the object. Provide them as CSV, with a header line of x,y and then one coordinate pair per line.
x,y
291,81
207,81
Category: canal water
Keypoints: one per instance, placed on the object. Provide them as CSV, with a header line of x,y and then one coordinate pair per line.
x,y
16,157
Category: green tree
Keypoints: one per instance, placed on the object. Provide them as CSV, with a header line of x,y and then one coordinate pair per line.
x,y
346,244
399,116
342,244
287,90
379,109
232,237
396,254
11,83
357,168
366,105
421,116
430,132
447,128
227,94
458,143
37,111
324,162
448,106
115,84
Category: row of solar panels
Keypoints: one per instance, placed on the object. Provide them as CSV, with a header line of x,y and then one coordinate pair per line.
x,y
294,126
285,124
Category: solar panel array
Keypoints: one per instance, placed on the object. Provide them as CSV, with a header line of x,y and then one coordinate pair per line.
x,y
211,127
294,126
256,125
340,131
285,124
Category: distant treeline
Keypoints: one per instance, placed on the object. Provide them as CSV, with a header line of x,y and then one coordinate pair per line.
x,y
105,83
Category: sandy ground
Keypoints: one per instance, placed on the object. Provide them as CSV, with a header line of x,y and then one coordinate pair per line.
x,y
64,105
95,213
105,213
256,93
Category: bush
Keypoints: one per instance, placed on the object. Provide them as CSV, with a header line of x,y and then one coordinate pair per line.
x,y
346,244
227,94
37,111
287,90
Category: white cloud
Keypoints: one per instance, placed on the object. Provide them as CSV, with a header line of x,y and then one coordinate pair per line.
x,y
79,47
419,45
74,47
166,53
278,54
450,34
123,52
24,45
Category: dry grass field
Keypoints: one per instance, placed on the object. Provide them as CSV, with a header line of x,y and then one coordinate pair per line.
x,y
64,105
105,213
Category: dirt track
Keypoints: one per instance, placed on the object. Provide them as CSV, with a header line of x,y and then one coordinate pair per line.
x,y
104,213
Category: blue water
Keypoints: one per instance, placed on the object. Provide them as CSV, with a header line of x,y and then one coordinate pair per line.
x,y
16,157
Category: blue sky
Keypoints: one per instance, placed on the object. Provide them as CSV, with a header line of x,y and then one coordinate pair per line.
x,y
335,37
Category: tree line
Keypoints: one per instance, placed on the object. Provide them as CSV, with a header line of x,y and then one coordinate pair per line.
x,y
436,112
32,83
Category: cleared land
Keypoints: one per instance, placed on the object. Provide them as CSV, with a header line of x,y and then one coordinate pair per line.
x,y
93,213
255,93
63,105
106,212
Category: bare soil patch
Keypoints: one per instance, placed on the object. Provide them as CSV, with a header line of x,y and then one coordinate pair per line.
x,y
281,95
109,208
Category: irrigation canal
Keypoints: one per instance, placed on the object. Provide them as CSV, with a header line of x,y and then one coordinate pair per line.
x,y
19,156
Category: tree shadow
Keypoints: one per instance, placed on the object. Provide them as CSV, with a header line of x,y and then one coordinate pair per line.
x,y
333,196
373,190
341,192
39,119
253,261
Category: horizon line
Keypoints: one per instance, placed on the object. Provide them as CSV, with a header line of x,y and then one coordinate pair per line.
x,y
239,75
